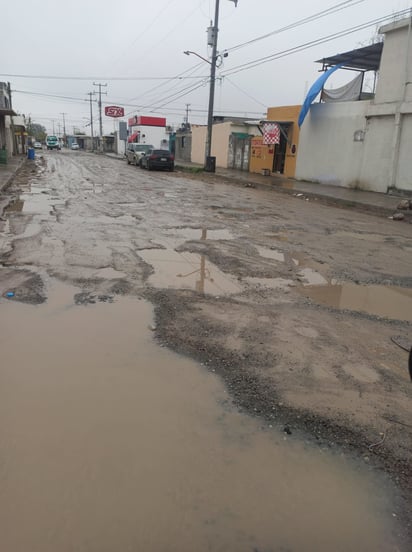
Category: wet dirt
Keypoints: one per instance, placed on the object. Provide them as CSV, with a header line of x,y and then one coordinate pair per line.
x,y
110,442
328,372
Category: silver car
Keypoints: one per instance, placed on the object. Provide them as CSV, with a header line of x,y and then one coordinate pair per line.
x,y
135,151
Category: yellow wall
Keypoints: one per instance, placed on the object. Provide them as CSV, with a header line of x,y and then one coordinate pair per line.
x,y
262,156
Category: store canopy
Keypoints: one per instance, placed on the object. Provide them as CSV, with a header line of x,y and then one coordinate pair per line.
x,y
362,59
133,137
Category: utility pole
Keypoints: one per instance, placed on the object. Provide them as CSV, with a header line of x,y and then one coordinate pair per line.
x,y
100,111
212,33
90,94
15,144
187,115
53,127
64,128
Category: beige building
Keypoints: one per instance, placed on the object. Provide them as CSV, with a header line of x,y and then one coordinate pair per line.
x,y
230,143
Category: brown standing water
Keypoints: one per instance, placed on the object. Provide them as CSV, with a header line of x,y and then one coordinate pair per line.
x,y
110,442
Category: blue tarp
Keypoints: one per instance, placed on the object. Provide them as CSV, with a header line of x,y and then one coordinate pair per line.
x,y
314,91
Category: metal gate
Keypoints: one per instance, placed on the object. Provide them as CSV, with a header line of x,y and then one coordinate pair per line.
x,y
239,151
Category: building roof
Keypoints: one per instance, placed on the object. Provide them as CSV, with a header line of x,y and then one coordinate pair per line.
x,y
362,59
7,112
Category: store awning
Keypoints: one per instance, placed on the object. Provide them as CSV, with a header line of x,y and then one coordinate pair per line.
x,y
362,59
7,112
132,137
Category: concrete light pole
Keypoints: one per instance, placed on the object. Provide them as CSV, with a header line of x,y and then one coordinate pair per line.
x,y
64,128
99,84
90,94
209,165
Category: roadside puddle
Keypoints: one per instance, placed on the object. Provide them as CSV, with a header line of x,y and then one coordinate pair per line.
x,y
111,442
385,301
391,302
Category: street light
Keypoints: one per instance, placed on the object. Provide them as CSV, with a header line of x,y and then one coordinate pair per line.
x,y
209,164
188,52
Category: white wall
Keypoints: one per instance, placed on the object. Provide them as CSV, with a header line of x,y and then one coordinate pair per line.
x,y
404,172
395,63
328,153
152,135
375,173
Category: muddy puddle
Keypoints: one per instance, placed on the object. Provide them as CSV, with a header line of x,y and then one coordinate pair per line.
x,y
184,270
391,302
111,442
388,302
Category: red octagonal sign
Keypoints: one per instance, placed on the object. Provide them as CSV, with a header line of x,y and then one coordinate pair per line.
x,y
114,111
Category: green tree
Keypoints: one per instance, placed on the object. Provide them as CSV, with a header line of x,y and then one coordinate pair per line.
x,y
38,132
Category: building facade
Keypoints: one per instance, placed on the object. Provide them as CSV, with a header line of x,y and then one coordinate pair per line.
x,y
366,144
231,141
277,158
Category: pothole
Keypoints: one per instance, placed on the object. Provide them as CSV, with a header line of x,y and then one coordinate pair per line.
x,y
385,301
178,270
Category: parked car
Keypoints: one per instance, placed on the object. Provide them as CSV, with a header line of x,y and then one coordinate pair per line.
x,y
157,159
75,146
135,151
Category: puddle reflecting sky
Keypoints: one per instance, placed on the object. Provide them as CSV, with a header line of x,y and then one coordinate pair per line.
x,y
110,442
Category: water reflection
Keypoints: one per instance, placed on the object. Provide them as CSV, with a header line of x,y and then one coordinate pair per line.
x,y
184,270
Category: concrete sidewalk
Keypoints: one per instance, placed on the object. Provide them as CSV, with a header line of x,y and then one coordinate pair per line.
x,y
383,204
7,172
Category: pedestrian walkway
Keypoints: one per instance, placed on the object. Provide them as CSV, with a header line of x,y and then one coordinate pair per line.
x,y
384,204
8,171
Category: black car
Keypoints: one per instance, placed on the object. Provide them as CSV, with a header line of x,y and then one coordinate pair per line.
x,y
157,159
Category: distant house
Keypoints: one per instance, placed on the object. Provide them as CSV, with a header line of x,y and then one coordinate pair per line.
x,y
360,140
231,139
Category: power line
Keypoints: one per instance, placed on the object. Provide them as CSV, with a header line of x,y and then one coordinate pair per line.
x,y
245,93
164,36
314,17
64,77
307,45
177,77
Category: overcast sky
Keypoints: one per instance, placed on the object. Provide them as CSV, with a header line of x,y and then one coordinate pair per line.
x,y
141,43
